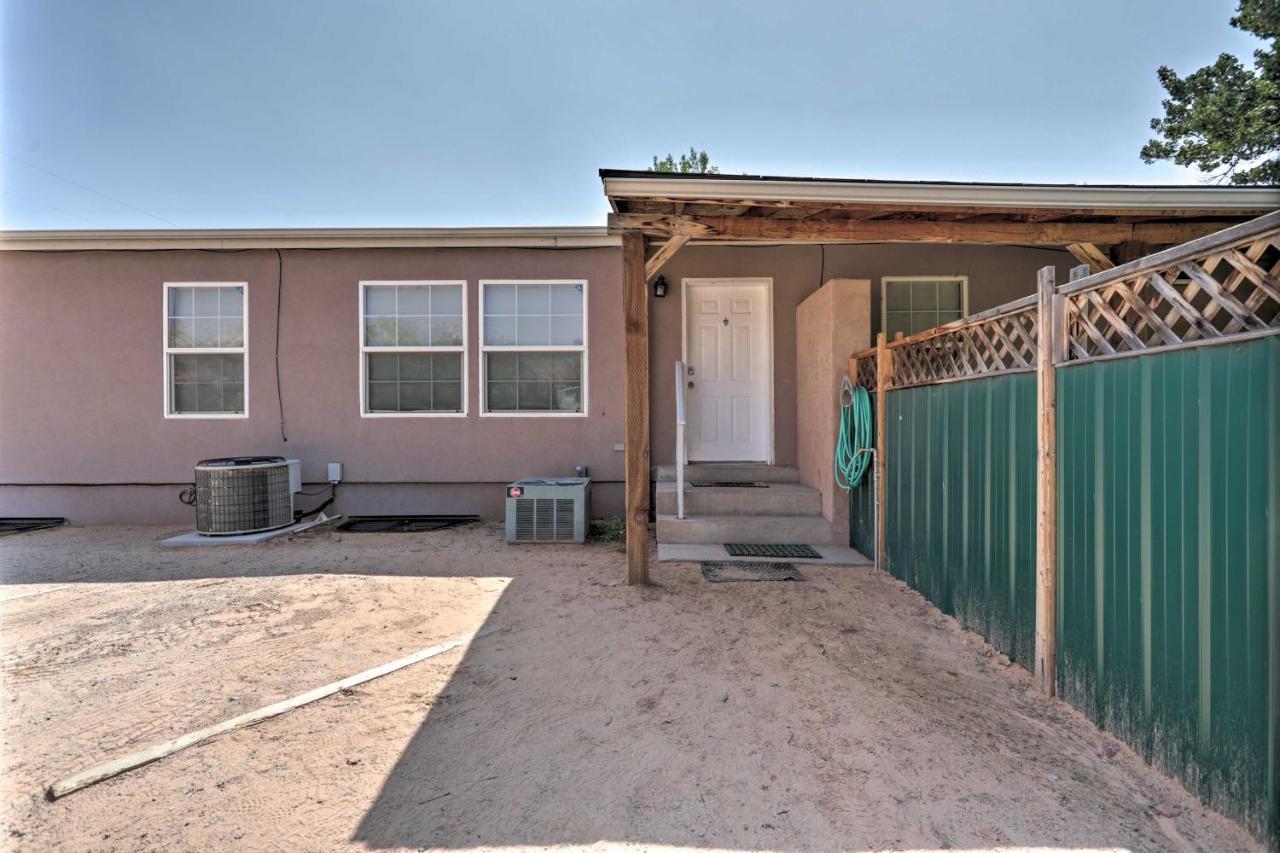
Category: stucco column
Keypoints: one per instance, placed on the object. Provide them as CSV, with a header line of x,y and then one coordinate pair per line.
x,y
831,324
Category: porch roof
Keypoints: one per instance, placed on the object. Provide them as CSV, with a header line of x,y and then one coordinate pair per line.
x,y
762,208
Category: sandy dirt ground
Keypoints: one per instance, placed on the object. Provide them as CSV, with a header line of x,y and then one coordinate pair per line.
x,y
839,712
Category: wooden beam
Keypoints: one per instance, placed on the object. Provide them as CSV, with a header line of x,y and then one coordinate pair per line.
x,y
1051,340
864,209
1088,253
888,231
884,367
664,254
635,314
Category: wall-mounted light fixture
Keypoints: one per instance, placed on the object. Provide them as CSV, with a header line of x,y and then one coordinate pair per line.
x,y
660,286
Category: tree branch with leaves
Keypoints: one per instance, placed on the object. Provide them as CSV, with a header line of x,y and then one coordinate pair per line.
x,y
695,162
1224,119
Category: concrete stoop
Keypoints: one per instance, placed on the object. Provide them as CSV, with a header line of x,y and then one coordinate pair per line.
x,y
785,513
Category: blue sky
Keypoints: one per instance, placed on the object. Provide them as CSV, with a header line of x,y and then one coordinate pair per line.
x,y
319,113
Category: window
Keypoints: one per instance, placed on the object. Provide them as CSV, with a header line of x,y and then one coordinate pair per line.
x,y
534,344
413,348
914,304
206,334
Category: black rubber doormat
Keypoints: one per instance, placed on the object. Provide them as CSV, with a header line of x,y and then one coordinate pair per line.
x,y
9,526
403,523
784,552
727,484
739,570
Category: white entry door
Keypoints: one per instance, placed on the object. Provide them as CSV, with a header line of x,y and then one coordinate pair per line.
x,y
729,369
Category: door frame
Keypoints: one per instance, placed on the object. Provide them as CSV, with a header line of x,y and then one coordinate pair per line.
x,y
767,282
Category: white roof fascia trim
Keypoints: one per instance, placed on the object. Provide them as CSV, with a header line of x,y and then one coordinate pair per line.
x,y
982,195
311,238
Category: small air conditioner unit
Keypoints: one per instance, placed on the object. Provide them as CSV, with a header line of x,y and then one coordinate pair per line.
x,y
548,509
245,494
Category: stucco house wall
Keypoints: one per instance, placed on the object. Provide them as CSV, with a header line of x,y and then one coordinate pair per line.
x,y
82,431
997,274
82,426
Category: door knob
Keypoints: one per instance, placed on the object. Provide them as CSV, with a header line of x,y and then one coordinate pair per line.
x,y
691,383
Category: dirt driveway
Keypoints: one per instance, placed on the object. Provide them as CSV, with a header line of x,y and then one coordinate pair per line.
x,y
841,712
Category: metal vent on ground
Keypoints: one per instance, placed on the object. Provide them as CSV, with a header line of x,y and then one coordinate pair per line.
x,y
727,484
786,552
403,523
10,526
737,570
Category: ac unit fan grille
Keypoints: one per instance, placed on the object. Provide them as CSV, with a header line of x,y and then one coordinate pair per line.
x,y
544,520
244,500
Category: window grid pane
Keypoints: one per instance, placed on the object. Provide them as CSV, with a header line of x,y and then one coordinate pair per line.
x,y
399,382
534,381
533,315
207,383
914,306
417,315
206,317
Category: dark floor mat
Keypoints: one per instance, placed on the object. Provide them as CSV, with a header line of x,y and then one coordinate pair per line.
x,y
727,484
738,570
784,552
9,526
403,523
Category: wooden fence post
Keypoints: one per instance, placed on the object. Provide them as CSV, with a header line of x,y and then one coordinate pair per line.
x,y
1049,342
884,368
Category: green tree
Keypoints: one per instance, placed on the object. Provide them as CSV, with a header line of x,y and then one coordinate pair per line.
x,y
695,162
1225,118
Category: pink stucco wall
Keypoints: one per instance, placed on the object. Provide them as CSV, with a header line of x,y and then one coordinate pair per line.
x,y
832,323
82,396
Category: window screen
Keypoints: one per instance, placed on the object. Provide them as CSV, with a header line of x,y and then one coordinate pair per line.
x,y
914,305
534,346
413,347
205,356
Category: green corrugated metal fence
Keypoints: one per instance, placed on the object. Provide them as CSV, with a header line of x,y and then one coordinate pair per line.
x,y
862,508
960,513
1169,566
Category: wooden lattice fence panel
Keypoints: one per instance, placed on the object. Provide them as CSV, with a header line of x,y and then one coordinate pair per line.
x,y
865,373
999,341
1224,285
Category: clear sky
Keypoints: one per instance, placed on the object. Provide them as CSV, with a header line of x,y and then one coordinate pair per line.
x,y
267,113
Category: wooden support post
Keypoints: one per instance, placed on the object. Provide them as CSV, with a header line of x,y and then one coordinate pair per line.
x,y
635,313
1050,343
884,368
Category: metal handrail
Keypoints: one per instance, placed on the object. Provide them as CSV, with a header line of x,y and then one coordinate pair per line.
x,y
680,452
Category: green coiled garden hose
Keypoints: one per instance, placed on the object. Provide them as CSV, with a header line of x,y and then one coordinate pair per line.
x,y
854,442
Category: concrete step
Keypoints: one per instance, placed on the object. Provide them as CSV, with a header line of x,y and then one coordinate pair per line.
x,y
730,471
776,499
762,529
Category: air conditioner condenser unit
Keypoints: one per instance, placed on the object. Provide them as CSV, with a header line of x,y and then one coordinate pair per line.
x,y
549,509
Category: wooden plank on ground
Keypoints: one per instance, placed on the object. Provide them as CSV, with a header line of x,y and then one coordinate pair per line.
x,y
142,757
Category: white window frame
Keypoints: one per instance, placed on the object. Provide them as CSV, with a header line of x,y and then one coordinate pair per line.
x,y
172,351
884,293
363,394
584,349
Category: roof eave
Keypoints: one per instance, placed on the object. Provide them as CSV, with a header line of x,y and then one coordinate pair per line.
x,y
942,194
573,237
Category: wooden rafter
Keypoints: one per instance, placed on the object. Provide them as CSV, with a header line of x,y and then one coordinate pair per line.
x,y
843,230
1088,253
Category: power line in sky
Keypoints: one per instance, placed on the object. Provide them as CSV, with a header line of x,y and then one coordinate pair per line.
x,y
91,190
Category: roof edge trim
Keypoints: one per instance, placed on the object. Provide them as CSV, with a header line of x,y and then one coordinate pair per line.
x,y
943,194
572,237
